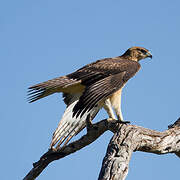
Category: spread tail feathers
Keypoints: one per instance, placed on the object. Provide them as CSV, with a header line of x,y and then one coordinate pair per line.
x,y
70,126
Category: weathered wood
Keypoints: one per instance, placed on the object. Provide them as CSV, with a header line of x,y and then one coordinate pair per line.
x,y
120,148
126,139
134,138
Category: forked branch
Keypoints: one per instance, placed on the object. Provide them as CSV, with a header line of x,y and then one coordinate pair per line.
x,y
126,139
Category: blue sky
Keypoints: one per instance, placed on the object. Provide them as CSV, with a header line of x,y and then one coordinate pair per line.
x,y
43,39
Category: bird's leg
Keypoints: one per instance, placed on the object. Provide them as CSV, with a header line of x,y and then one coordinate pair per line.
x,y
108,107
117,108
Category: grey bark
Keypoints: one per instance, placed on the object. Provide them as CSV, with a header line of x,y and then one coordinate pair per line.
x,y
126,139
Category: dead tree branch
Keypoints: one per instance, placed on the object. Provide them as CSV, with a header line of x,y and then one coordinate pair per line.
x,y
134,138
92,134
126,139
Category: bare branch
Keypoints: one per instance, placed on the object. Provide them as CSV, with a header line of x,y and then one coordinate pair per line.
x,y
126,139
92,134
134,138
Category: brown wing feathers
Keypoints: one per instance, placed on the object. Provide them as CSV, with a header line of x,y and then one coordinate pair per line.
x,y
49,87
112,79
55,85
97,92
100,79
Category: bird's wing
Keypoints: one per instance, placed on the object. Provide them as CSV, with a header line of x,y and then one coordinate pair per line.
x,y
114,79
70,126
49,87
68,84
78,80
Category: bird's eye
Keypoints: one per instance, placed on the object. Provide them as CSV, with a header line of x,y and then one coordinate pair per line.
x,y
143,51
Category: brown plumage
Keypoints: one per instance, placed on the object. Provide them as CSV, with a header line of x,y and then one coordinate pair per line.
x,y
94,86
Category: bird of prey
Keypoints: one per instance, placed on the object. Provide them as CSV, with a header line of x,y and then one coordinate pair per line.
x,y
90,88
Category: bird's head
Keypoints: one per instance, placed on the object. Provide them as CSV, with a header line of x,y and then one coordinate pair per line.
x,y
137,53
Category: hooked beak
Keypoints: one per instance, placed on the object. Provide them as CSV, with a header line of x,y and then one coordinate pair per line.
x,y
149,55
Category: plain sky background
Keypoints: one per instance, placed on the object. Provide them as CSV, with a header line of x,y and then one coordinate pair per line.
x,y
43,39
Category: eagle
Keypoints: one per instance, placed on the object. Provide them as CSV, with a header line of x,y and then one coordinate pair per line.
x,y
96,85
